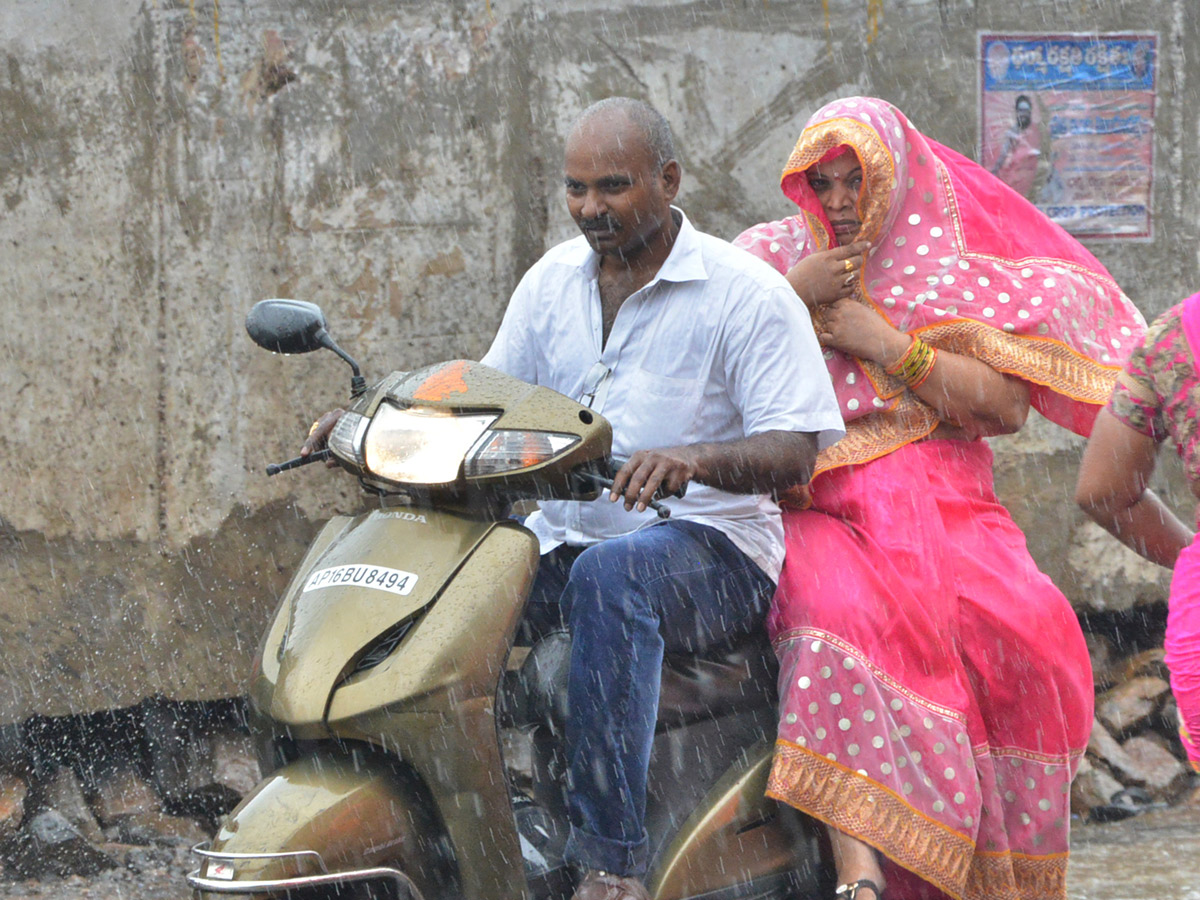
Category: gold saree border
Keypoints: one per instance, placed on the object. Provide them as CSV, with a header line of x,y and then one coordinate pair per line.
x,y
879,169
1030,877
851,803
1045,362
878,434
840,797
1041,360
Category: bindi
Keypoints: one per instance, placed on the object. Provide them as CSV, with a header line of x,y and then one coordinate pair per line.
x,y
833,176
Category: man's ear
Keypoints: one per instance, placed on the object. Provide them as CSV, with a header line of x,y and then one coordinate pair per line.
x,y
670,175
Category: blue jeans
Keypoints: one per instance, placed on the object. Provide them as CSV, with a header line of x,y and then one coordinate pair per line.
x,y
673,587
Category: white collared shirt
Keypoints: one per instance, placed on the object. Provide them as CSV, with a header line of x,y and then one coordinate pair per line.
x,y
717,347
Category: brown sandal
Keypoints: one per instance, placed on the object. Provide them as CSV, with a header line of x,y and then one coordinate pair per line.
x,y
850,891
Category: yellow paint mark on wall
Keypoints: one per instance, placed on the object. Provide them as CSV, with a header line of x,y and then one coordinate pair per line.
x,y
447,264
874,14
217,36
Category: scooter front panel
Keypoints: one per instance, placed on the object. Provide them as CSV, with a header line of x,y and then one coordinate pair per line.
x,y
457,649
383,568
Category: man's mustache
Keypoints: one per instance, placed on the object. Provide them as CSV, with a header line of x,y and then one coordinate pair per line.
x,y
600,223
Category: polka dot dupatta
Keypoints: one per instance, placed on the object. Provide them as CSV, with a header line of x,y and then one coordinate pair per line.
x,y
961,260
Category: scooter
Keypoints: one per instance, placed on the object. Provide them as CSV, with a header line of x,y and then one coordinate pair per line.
x,y
413,749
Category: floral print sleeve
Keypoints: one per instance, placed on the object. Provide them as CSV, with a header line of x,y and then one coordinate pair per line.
x,y
1153,377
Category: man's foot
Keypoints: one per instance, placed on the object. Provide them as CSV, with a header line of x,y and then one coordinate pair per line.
x,y
597,885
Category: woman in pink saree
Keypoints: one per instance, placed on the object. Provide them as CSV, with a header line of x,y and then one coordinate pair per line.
x,y
935,689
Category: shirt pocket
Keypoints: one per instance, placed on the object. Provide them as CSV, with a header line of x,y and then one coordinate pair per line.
x,y
665,387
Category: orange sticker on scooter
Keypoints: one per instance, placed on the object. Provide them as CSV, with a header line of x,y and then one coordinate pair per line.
x,y
444,382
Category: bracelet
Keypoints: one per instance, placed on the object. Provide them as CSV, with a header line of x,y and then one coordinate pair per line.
x,y
915,365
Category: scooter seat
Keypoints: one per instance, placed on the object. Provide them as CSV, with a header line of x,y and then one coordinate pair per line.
x,y
736,676
731,677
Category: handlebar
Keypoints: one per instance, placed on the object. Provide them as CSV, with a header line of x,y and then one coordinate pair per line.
x,y
600,481
297,462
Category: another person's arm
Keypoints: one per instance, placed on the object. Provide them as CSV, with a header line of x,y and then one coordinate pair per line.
x,y
1113,490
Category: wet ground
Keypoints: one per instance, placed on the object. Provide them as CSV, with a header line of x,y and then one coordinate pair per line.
x,y
1144,858
148,874
1148,857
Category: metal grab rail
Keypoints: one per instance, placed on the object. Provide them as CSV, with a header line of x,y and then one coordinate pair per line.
x,y
409,890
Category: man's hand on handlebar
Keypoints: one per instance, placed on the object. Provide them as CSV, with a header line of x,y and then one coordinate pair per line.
x,y
653,473
318,434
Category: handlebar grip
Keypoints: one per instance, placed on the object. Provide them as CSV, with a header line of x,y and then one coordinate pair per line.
x,y
298,461
663,511
614,466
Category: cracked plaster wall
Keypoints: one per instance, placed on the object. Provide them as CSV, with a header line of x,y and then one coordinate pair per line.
x,y
161,169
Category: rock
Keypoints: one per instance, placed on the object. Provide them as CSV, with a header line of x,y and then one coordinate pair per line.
x,y
1155,766
14,752
124,793
235,764
13,791
50,845
1166,723
1191,794
178,761
64,794
1094,786
1104,657
1131,703
183,764
158,829
1104,747
1148,662
139,859
1108,577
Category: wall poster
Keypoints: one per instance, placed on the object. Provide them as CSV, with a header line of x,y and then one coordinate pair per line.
x,y
1068,121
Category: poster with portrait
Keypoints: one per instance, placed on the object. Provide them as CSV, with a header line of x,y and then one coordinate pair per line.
x,y
1068,121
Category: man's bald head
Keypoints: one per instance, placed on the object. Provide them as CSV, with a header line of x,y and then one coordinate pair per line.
x,y
648,121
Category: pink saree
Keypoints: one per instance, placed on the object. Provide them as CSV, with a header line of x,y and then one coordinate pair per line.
x,y
936,692
1183,617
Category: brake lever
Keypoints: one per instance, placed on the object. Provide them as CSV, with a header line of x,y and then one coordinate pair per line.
x,y
599,480
297,462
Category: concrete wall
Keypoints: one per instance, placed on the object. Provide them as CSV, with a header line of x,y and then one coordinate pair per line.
x,y
398,163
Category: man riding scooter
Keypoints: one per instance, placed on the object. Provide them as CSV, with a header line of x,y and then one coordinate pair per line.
x,y
696,349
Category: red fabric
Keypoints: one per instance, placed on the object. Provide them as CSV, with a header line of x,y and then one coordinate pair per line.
x,y
1191,323
1183,646
922,647
999,221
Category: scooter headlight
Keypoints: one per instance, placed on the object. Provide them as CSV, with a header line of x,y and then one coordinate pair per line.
x,y
420,445
506,450
346,440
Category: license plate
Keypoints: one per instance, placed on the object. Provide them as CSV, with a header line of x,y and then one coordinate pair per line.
x,y
380,578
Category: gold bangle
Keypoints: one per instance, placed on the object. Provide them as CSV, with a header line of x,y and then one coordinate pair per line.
x,y
914,366
921,378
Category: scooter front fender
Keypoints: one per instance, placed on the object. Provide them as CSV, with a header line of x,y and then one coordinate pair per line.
x,y
327,818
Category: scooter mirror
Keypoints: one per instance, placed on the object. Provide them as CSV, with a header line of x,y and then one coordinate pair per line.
x,y
287,326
